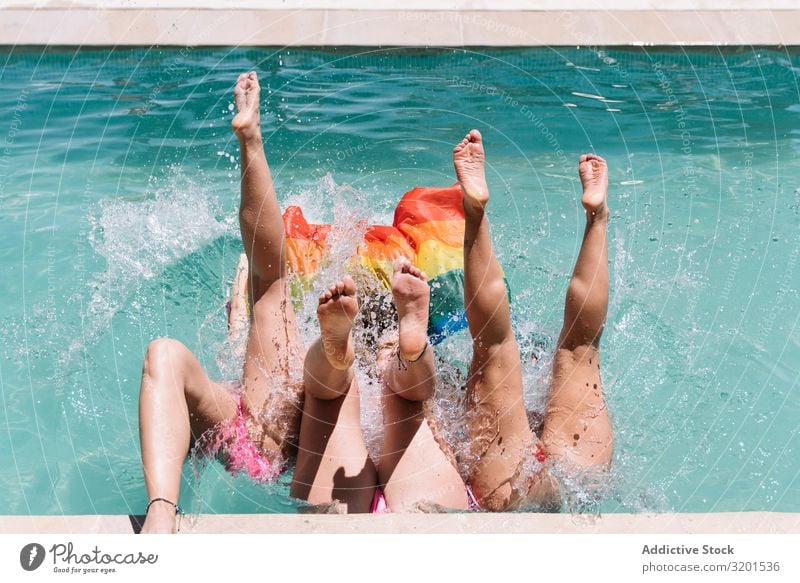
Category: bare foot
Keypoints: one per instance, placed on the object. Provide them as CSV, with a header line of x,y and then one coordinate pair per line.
x,y
337,310
247,121
160,519
468,158
593,171
412,297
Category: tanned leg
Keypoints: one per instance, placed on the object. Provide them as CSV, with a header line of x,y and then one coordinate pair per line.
x,y
498,426
414,470
177,401
274,351
333,465
577,428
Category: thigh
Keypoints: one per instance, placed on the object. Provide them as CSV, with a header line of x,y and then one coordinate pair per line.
x,y
498,425
577,426
272,373
332,460
495,395
208,403
416,469
273,345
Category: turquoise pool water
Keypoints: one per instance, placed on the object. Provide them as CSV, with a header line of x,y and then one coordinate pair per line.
x,y
119,186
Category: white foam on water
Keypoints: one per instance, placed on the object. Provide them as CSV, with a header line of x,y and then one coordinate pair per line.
x,y
139,239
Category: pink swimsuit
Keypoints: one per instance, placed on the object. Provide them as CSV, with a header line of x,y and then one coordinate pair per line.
x,y
231,440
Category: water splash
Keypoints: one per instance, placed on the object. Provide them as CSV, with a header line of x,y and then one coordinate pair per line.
x,y
139,239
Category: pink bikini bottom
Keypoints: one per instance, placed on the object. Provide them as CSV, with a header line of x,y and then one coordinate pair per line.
x,y
231,442
379,505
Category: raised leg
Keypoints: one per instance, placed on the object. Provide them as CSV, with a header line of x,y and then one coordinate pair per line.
x,y
177,401
274,351
238,312
577,427
498,426
413,470
333,465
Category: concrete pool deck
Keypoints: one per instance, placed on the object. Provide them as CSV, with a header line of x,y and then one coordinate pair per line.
x,y
701,523
287,23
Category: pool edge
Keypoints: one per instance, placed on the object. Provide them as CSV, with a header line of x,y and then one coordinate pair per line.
x,y
24,24
506,523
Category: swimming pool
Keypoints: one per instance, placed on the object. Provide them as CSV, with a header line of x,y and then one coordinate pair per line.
x,y
119,187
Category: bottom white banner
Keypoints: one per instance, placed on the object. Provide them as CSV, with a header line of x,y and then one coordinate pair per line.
x,y
379,558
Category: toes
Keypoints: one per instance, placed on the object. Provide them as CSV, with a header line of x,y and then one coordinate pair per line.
x,y
404,266
348,285
474,136
592,158
345,287
463,143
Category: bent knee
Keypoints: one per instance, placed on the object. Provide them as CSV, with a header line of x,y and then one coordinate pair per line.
x,y
164,356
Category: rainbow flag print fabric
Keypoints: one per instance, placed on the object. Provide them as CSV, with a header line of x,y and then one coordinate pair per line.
x,y
428,230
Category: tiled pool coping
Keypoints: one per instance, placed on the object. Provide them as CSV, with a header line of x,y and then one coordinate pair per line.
x,y
428,23
701,523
